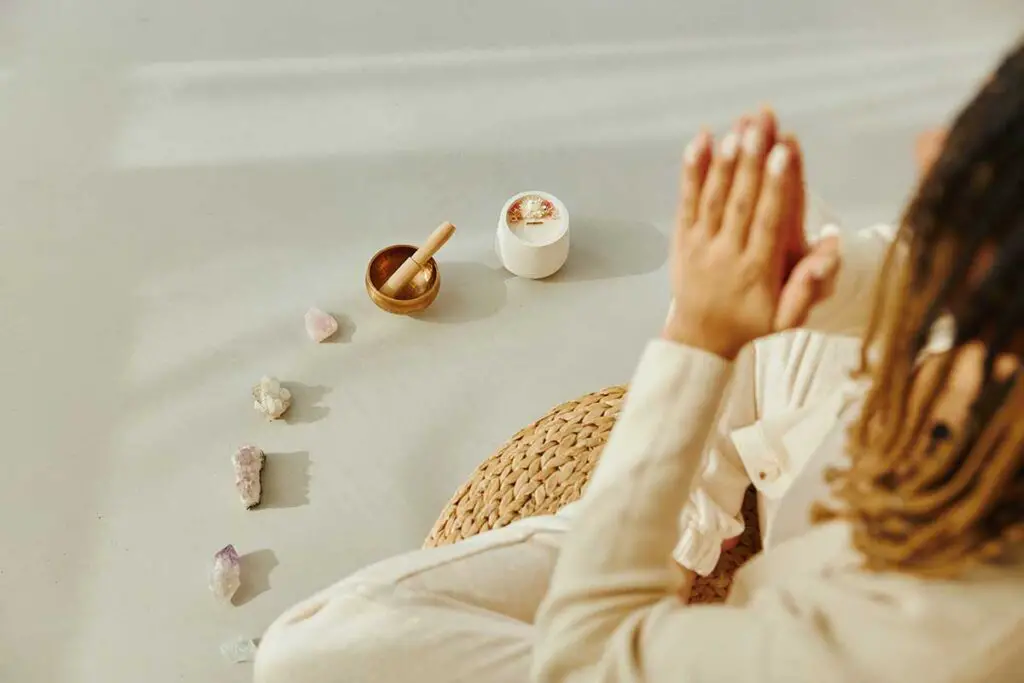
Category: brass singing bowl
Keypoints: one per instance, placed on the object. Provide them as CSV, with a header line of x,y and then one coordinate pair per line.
x,y
413,297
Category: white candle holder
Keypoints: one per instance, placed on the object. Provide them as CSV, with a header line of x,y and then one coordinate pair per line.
x,y
533,235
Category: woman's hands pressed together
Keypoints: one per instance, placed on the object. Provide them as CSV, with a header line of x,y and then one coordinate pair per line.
x,y
740,266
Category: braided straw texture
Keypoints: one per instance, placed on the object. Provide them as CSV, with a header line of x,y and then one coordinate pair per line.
x,y
547,465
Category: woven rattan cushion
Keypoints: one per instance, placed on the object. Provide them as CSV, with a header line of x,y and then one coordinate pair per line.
x,y
547,465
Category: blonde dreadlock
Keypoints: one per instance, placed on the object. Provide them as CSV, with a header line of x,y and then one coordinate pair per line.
x,y
920,502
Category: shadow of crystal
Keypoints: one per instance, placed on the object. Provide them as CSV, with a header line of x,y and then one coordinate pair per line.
x,y
305,400
256,568
285,480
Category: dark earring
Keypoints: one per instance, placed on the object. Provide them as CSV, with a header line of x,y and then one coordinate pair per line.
x,y
941,432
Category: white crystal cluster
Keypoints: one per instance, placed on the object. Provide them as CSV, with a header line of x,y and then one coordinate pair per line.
x,y
248,463
270,398
226,575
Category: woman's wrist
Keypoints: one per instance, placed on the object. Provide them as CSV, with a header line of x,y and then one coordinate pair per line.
x,y
691,333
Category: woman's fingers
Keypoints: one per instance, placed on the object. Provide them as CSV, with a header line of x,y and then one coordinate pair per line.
x,y
812,281
797,169
746,185
763,243
729,246
696,159
719,180
771,126
796,205
793,236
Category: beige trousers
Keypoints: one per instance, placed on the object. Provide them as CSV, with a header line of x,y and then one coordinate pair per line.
x,y
461,613
464,612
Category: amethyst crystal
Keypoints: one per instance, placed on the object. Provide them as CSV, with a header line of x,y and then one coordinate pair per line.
x,y
248,463
226,575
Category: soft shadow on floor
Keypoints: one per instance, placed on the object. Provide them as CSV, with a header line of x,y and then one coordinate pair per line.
x,y
305,398
285,480
256,568
469,291
346,330
604,248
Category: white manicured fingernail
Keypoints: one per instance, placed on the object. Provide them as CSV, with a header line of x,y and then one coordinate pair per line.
x,y
753,140
829,230
695,148
730,145
778,160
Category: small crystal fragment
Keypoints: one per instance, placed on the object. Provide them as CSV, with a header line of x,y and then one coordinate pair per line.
x,y
320,325
239,650
226,575
248,462
270,398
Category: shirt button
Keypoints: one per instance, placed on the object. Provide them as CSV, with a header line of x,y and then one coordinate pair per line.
x,y
768,473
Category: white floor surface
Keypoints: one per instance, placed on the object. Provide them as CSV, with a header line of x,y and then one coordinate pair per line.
x,y
179,181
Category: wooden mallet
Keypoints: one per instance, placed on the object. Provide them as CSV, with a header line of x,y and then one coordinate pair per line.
x,y
407,271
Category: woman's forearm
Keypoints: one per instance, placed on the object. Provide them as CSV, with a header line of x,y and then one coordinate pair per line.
x,y
617,561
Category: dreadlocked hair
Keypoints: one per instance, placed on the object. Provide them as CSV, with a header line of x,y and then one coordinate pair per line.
x,y
919,502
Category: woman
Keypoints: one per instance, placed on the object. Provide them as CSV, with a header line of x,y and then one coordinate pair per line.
x,y
918,576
